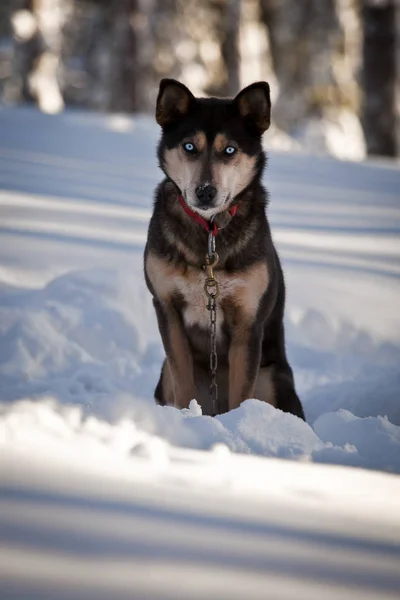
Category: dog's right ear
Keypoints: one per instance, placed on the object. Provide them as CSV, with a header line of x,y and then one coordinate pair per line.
x,y
173,101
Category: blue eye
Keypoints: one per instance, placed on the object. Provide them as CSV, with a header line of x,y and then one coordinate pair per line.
x,y
230,150
189,147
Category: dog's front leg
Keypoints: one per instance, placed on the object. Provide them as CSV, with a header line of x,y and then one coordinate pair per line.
x,y
179,355
244,362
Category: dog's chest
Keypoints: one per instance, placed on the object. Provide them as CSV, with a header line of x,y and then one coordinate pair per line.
x,y
191,289
239,293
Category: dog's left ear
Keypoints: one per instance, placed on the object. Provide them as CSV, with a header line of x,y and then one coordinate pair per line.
x,y
173,102
255,105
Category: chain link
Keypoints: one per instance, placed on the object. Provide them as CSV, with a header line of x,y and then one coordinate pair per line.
x,y
211,290
212,307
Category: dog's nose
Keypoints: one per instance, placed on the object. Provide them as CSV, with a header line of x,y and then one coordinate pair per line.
x,y
205,193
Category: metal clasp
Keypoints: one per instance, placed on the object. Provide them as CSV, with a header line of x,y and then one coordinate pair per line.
x,y
211,285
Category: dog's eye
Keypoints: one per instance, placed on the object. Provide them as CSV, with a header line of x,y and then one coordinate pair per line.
x,y
230,150
189,147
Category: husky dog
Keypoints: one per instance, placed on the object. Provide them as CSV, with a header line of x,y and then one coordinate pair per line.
x,y
211,153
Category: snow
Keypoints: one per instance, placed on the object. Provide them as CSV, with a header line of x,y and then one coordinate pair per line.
x,y
339,134
104,492
95,510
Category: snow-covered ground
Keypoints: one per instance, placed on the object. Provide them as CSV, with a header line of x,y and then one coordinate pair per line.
x,y
104,494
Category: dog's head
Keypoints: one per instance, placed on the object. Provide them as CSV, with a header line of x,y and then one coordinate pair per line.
x,y
211,148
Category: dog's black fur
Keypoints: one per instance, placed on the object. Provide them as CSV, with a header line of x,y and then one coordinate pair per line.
x,y
177,245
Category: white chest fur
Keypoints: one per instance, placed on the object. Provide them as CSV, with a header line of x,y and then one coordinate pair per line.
x,y
244,288
191,288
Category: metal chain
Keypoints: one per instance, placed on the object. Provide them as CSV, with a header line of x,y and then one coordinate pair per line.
x,y
211,290
212,307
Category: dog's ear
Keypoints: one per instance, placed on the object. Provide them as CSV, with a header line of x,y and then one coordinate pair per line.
x,y
173,102
254,104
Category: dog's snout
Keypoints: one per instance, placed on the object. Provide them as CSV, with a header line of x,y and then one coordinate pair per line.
x,y
206,193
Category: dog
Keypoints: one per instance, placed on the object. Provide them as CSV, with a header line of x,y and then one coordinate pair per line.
x,y
212,156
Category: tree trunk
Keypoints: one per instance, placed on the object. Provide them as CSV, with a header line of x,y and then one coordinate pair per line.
x,y
44,80
303,38
229,36
123,17
37,29
221,25
317,101
379,76
26,48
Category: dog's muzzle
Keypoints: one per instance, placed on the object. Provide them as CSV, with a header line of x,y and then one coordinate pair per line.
x,y
206,194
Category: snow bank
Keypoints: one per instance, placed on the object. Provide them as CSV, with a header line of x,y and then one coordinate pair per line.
x,y
90,338
91,509
253,428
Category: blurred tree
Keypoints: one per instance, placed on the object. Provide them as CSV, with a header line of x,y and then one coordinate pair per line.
x,y
111,54
225,21
115,52
379,76
37,34
317,100
26,47
303,38
126,24
44,80
208,45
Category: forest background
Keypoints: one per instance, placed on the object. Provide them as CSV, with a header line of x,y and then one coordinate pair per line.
x,y
333,65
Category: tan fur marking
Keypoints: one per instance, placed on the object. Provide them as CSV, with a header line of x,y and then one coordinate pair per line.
x,y
167,386
231,178
199,140
255,282
184,171
239,294
246,300
181,364
220,142
163,278
243,289
264,388
243,240
189,255
239,387
161,275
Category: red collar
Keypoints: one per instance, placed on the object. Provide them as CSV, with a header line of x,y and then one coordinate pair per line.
x,y
196,217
